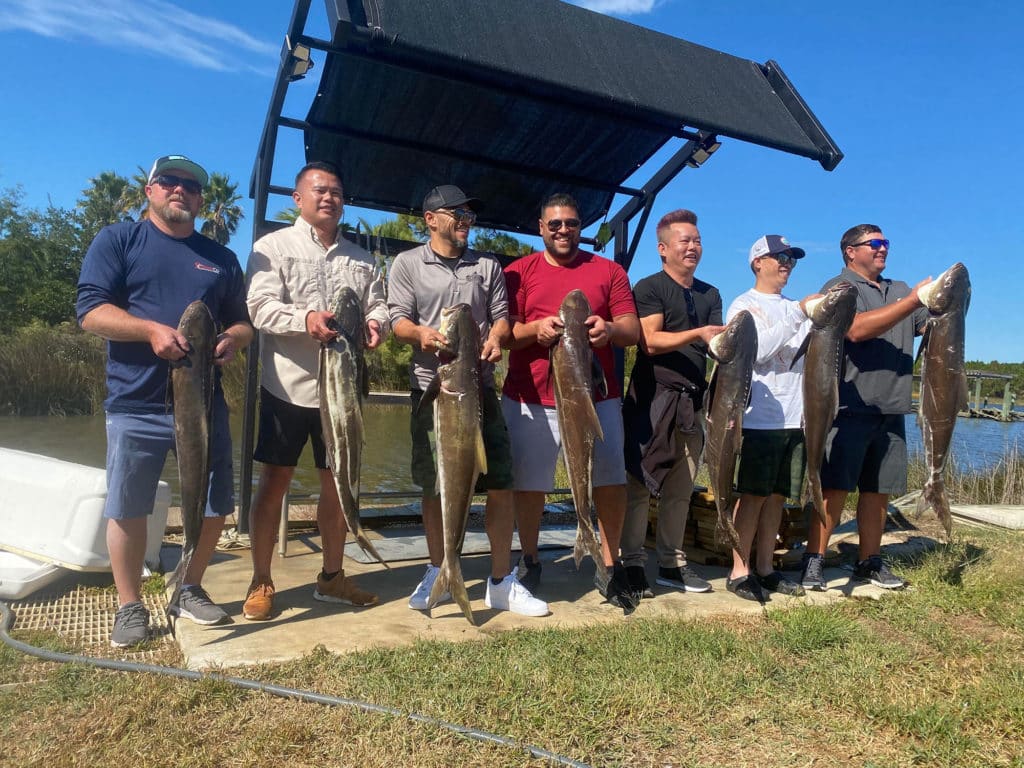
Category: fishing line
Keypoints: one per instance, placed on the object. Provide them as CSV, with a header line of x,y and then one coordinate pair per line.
x,y
7,621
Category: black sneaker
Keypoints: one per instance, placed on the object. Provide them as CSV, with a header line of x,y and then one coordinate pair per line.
x,y
194,604
637,578
131,625
682,578
812,573
876,572
776,582
745,587
528,573
618,591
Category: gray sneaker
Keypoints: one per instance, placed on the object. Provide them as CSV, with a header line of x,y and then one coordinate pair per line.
x,y
875,571
131,626
194,604
683,578
813,573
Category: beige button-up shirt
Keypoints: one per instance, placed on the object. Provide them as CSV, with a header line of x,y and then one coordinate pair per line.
x,y
291,273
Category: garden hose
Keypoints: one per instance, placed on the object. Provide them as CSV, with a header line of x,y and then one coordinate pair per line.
x,y
7,621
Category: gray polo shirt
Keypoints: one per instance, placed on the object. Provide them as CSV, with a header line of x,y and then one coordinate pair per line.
x,y
878,374
421,284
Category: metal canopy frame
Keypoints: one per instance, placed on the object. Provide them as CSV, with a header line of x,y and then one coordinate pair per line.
x,y
721,97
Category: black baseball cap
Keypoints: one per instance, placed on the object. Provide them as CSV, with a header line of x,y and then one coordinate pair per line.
x,y
448,196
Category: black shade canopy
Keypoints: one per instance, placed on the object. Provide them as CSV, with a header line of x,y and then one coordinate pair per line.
x,y
516,100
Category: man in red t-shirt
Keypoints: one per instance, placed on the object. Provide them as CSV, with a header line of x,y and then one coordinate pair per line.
x,y
537,284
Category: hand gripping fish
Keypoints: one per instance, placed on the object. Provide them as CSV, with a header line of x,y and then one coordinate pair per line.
x,y
459,443
943,380
192,395
576,373
831,317
734,351
343,386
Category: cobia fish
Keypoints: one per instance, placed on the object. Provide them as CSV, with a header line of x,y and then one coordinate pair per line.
x,y
192,395
575,371
734,351
455,391
943,380
343,386
831,317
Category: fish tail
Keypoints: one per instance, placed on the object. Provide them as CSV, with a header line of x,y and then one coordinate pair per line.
x,y
579,549
440,586
933,496
368,547
451,574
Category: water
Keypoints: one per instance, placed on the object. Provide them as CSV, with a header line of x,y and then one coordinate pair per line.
x,y
977,444
83,439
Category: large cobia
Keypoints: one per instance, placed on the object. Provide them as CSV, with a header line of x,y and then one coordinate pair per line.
x,y
943,379
343,386
734,351
576,373
192,395
831,317
459,441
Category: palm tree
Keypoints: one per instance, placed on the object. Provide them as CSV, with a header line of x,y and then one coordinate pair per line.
x,y
221,213
133,198
101,203
291,215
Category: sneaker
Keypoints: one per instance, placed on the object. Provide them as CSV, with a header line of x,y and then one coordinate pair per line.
x,y
259,601
195,604
812,573
421,596
636,576
342,589
618,592
876,572
131,625
682,578
776,582
511,595
528,572
746,587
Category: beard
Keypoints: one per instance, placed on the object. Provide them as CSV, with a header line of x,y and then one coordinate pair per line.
x,y
171,214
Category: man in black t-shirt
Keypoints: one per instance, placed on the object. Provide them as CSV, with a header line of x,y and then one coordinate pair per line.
x,y
664,434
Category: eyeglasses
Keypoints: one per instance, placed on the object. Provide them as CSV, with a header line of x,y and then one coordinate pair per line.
x,y
556,224
461,215
785,258
170,181
875,243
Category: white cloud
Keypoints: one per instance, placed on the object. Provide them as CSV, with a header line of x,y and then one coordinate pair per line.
x,y
154,26
622,7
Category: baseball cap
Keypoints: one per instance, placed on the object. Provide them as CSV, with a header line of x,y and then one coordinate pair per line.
x,y
770,244
178,163
448,196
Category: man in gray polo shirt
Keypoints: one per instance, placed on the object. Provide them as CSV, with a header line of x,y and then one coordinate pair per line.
x,y
867,447
442,273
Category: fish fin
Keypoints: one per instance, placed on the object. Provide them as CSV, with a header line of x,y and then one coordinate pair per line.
x,y
801,351
429,394
440,586
598,377
709,393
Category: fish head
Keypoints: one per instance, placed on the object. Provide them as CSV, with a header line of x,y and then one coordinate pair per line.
x,y
739,336
575,307
837,307
461,330
348,317
948,292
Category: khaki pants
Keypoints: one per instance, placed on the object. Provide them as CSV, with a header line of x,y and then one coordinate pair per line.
x,y
673,507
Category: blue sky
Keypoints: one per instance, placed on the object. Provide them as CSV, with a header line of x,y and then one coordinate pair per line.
x,y
924,99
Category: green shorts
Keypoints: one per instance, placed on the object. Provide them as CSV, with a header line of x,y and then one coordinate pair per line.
x,y
496,445
772,461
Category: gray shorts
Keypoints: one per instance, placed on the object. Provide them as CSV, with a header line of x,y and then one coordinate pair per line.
x,y
866,452
533,430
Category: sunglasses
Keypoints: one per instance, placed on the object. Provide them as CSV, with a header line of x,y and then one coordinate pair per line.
x,y
459,214
170,181
556,224
785,258
875,243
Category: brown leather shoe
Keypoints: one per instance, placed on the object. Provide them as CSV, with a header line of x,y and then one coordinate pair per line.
x,y
259,601
342,589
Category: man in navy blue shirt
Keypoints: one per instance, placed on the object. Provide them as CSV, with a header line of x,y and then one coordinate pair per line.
x,y
136,281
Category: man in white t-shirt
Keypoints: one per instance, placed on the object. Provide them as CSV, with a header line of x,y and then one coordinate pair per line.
x,y
772,459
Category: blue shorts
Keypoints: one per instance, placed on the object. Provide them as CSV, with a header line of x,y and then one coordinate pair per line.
x,y
533,430
137,446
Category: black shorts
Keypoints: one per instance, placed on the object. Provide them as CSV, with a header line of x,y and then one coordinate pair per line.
x,y
283,431
866,452
772,461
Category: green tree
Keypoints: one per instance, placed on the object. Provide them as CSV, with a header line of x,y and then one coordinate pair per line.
x,y
221,213
102,203
133,198
493,241
291,215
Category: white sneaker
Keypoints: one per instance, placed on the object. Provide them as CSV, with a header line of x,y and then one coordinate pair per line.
x,y
421,596
512,596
